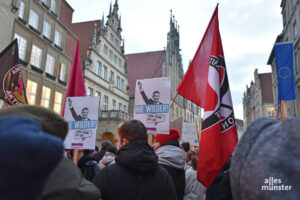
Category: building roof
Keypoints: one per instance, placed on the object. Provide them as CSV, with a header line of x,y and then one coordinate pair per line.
x,y
266,87
84,31
144,65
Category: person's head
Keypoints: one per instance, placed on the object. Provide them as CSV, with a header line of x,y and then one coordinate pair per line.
x,y
131,131
155,96
111,149
185,146
162,139
194,159
190,154
105,144
267,157
85,113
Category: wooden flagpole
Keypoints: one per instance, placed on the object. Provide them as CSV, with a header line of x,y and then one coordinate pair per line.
x,y
75,156
173,101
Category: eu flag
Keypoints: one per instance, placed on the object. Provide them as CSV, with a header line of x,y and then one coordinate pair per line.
x,y
285,71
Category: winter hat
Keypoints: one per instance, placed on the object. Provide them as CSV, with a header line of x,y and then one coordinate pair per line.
x,y
52,123
105,144
27,157
265,164
164,138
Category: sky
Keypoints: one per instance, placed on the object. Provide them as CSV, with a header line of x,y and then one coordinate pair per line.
x,y
248,29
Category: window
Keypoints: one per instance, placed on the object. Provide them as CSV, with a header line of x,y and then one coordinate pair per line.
x,y
122,85
105,49
105,103
118,82
295,28
98,68
112,76
47,29
36,56
120,106
22,44
57,102
52,6
98,94
112,38
50,64
89,91
61,71
44,1
120,62
57,38
115,59
116,42
271,111
45,101
34,19
114,105
104,72
31,92
110,54
296,62
125,108
21,9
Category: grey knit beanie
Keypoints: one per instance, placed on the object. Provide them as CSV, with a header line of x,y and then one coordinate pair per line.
x,y
266,162
52,123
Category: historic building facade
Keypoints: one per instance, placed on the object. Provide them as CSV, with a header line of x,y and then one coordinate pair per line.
x,y
258,98
105,70
46,47
290,33
164,63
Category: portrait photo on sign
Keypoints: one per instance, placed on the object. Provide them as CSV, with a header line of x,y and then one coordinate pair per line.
x,y
152,104
82,116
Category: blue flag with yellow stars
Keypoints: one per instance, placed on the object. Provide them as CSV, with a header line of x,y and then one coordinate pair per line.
x,y
285,71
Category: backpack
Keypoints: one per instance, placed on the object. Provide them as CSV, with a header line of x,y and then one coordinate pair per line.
x,y
90,169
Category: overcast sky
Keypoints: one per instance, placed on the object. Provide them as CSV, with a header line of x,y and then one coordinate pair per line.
x,y
248,30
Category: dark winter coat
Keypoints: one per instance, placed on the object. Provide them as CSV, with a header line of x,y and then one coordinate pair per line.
x,y
67,183
88,166
172,158
136,175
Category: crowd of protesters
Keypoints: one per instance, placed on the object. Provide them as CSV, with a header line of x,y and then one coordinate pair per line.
x,y
35,166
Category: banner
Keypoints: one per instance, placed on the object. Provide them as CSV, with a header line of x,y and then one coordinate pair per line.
x,y
82,116
189,134
285,72
12,90
152,104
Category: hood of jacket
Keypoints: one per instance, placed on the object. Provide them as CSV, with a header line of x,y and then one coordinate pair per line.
x,y
268,150
138,157
172,156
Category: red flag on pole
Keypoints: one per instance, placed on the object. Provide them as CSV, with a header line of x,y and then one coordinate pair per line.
x,y
206,84
76,86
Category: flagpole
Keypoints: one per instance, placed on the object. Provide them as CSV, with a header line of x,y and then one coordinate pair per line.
x,y
284,111
173,100
75,156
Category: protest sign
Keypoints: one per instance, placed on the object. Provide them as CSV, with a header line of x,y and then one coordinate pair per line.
x,y
82,116
189,134
152,104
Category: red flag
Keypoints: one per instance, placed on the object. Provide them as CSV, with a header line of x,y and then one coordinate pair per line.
x,y
206,84
76,86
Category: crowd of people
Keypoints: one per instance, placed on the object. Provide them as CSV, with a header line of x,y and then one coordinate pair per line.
x,y
35,166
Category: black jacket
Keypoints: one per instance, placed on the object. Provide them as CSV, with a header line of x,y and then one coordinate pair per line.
x,y
136,175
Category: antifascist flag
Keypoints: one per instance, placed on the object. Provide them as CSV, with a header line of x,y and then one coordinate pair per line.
x,y
285,72
219,134
12,88
76,86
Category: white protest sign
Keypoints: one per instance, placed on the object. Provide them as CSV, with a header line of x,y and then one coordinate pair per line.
x,y
189,134
152,104
82,116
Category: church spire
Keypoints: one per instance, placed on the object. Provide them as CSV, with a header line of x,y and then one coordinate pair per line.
x,y
110,9
94,38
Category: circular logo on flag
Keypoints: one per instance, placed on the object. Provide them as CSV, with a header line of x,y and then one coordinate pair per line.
x,y
284,72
